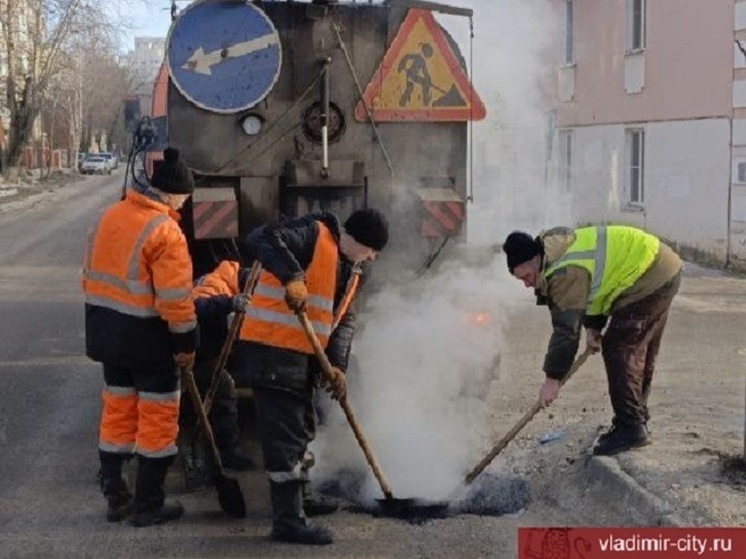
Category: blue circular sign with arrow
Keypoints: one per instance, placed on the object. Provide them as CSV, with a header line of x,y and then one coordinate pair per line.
x,y
223,55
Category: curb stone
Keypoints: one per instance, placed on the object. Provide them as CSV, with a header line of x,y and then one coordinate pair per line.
x,y
622,491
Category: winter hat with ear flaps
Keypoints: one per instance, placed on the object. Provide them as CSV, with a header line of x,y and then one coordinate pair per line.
x,y
520,247
368,227
172,175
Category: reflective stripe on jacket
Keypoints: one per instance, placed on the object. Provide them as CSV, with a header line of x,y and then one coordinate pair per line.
x,y
615,256
270,321
137,263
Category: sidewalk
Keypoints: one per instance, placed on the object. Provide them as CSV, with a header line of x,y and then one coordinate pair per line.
x,y
693,473
27,192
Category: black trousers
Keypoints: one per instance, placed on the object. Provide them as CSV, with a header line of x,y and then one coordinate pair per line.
x,y
283,400
630,348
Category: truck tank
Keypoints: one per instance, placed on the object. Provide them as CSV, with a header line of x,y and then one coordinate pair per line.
x,y
282,108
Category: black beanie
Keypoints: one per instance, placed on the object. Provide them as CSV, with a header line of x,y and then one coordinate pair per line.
x,y
520,247
368,227
172,175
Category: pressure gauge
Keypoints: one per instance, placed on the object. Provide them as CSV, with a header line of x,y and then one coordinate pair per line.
x,y
251,124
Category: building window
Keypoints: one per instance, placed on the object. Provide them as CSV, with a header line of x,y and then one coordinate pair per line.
x,y
635,25
635,148
565,159
742,172
569,33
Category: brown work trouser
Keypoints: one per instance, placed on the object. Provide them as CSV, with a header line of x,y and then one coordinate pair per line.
x,y
630,346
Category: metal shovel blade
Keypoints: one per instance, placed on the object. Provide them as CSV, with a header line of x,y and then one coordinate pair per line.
x,y
230,496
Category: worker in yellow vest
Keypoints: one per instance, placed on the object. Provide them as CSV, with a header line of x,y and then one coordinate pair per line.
x,y
312,264
587,276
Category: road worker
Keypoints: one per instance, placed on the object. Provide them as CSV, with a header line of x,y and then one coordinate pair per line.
x,y
587,276
141,325
312,264
216,296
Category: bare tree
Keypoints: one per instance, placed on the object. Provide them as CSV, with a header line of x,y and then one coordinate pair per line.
x,y
36,38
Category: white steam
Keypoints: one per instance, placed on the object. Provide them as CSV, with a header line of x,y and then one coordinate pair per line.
x,y
425,363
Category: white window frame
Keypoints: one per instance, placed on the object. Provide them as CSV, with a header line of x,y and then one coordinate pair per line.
x,y
569,34
565,159
635,168
636,11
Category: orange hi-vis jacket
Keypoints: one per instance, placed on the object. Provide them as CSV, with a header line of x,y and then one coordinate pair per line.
x,y
137,266
223,280
271,322
137,280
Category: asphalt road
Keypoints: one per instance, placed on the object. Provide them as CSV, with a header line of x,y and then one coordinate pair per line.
x,y
50,505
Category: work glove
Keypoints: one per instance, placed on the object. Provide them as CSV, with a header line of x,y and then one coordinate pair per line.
x,y
337,387
240,303
593,339
184,360
296,295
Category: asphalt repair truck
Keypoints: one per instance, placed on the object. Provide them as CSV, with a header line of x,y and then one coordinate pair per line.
x,y
282,108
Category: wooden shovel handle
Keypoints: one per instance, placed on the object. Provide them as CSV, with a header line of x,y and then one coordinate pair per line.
x,y
188,376
225,351
528,416
326,368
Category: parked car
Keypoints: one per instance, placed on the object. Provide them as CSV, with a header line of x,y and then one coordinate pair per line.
x,y
113,159
96,164
81,157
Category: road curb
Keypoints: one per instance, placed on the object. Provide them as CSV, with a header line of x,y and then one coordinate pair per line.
x,y
636,503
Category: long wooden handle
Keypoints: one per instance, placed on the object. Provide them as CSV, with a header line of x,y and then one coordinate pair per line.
x,y
225,351
326,368
188,376
528,416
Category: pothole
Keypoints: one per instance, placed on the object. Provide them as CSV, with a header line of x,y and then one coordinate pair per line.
x,y
488,495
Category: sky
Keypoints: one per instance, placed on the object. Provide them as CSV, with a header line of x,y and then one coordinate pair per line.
x,y
143,18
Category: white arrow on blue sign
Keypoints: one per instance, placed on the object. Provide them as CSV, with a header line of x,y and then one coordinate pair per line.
x,y
224,56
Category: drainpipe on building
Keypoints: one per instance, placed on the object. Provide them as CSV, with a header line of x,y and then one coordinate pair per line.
x,y
727,222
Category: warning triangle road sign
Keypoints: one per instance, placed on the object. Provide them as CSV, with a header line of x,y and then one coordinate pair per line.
x,y
420,78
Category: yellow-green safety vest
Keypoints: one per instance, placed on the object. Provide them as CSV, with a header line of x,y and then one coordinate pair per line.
x,y
615,257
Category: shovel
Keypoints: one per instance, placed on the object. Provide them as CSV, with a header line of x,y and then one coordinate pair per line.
x,y
528,416
229,492
399,508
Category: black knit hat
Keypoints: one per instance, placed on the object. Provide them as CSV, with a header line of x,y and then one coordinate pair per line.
x,y
520,247
172,175
368,227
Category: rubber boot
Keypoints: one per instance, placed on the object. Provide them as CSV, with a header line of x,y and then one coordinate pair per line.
x,y
288,520
150,504
114,487
315,504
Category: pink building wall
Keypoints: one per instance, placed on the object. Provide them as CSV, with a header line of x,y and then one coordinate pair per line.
x,y
685,77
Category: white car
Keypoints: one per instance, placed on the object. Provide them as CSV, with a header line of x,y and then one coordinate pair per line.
x,y
112,159
96,164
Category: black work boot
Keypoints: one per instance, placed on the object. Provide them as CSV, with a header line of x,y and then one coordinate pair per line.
x,y
114,487
615,423
621,438
150,504
315,504
288,520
